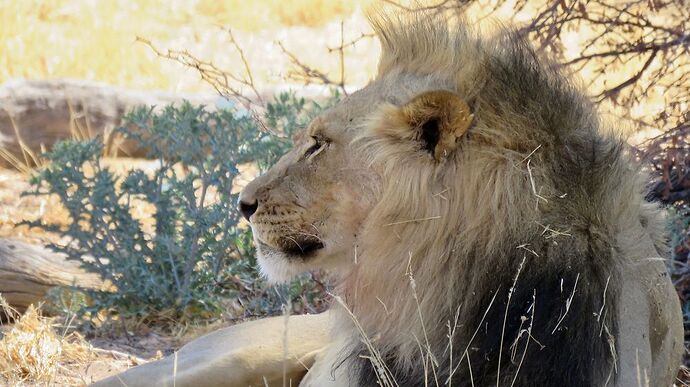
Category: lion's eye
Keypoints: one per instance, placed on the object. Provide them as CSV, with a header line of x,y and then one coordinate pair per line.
x,y
315,149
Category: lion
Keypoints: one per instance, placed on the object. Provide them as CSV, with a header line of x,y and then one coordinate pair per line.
x,y
484,225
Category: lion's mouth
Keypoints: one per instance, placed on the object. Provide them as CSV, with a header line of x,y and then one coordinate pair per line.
x,y
294,248
303,248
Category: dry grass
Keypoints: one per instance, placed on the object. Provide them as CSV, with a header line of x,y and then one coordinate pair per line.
x,y
32,352
37,351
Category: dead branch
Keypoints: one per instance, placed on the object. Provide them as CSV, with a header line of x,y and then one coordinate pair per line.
x,y
224,82
306,73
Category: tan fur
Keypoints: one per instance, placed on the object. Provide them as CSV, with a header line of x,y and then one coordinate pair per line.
x,y
265,352
415,235
451,112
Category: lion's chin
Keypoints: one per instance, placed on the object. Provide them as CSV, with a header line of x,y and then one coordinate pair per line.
x,y
278,266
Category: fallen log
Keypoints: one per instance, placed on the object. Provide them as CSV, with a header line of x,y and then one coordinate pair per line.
x,y
28,272
35,114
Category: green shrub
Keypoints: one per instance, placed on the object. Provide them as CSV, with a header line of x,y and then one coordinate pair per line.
x,y
189,253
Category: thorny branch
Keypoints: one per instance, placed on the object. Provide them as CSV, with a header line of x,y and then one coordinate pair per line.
x,y
648,40
309,75
225,83
304,72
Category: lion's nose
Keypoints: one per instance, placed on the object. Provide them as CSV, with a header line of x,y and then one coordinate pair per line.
x,y
248,209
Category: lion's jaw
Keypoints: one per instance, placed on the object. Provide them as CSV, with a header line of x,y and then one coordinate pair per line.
x,y
314,229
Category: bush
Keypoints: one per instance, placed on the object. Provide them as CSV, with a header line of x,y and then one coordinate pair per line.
x,y
188,254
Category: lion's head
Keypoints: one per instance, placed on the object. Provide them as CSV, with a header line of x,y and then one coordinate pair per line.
x,y
468,182
307,211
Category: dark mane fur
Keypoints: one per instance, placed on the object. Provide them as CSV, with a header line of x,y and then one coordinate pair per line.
x,y
560,312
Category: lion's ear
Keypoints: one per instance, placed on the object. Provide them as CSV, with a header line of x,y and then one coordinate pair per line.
x,y
438,119
433,122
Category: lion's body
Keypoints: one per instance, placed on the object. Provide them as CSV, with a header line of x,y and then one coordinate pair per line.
x,y
515,251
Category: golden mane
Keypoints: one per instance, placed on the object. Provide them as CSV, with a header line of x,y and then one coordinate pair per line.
x,y
535,181
424,43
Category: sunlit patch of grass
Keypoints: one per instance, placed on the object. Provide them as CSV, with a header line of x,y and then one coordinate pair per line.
x,y
256,15
32,351
89,39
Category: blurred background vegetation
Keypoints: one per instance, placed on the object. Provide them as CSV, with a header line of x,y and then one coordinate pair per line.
x,y
96,40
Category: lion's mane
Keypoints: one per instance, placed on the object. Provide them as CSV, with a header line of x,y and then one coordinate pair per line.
x,y
503,256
